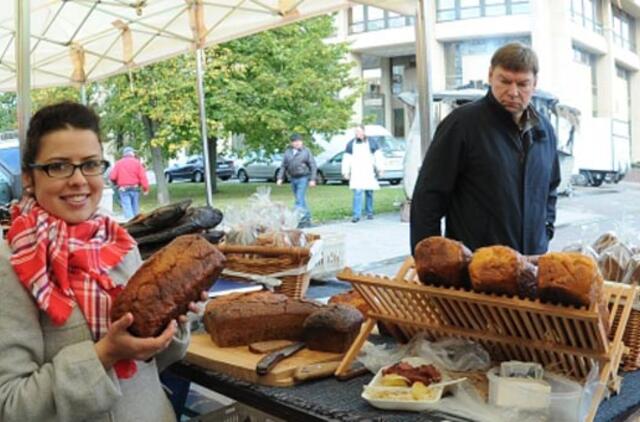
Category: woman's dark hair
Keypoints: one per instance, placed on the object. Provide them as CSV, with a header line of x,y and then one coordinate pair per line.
x,y
64,115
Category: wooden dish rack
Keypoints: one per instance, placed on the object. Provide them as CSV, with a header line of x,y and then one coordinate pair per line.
x,y
272,261
563,339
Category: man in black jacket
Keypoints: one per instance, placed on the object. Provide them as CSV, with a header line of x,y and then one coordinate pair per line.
x,y
492,168
300,166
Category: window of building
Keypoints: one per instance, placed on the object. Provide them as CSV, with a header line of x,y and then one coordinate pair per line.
x,y
587,14
369,18
620,125
468,61
356,18
624,29
588,59
398,122
449,10
397,79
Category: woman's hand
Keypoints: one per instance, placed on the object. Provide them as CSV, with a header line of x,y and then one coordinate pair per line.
x,y
119,344
193,307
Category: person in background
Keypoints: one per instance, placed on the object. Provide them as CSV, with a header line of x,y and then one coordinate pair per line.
x,y
362,165
61,266
492,168
300,167
129,175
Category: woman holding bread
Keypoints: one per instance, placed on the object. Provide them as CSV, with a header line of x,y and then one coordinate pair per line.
x,y
61,266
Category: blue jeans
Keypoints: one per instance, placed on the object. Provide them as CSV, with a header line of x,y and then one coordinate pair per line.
x,y
130,202
357,202
299,187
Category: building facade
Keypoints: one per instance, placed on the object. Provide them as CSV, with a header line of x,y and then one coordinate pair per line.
x,y
588,51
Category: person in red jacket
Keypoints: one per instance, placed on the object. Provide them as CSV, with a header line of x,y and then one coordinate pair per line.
x,y
129,175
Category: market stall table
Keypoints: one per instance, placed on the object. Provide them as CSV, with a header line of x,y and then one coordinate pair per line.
x,y
330,399
333,400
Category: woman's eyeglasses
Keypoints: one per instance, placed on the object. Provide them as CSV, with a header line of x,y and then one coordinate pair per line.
x,y
61,169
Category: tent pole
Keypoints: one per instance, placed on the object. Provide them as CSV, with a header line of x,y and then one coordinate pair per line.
x,y
423,73
203,124
23,67
83,94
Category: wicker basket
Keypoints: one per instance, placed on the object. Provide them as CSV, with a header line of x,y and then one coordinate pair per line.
x,y
290,265
631,339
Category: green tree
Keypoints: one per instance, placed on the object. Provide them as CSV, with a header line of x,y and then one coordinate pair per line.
x,y
8,111
153,109
289,79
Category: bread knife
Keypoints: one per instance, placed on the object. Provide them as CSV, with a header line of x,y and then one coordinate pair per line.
x,y
316,370
269,361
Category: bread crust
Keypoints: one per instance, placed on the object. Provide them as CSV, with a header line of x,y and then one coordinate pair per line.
x,y
167,282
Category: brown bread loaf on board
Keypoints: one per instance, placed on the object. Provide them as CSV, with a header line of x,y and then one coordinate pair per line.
x,y
442,262
332,329
502,270
164,285
243,318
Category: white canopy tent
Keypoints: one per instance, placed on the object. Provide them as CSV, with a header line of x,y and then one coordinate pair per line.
x,y
75,41
78,41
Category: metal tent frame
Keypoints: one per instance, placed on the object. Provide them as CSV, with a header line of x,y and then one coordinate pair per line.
x,y
72,42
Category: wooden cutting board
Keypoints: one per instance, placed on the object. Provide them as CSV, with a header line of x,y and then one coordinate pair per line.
x,y
239,362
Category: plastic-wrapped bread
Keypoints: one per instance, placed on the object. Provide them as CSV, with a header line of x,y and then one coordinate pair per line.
x,y
604,241
583,249
502,270
613,262
442,262
167,282
632,273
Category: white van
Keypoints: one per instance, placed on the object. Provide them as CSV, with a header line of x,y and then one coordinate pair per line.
x,y
393,150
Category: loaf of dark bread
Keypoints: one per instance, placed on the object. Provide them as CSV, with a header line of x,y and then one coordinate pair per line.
x,y
167,282
442,262
245,318
502,270
333,328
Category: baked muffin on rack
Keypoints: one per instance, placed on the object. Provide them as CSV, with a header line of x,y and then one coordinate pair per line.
x,y
502,270
569,278
442,262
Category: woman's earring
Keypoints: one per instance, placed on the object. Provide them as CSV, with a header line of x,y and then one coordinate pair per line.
x,y
28,190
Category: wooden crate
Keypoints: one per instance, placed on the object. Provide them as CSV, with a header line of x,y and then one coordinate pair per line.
x,y
564,339
290,265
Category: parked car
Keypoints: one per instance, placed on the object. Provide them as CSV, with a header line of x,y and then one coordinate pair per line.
x,y
260,166
393,150
193,169
331,170
10,180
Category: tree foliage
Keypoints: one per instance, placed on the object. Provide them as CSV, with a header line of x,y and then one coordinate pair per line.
x,y
264,86
281,81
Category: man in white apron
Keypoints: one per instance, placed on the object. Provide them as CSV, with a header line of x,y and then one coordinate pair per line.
x,y
362,165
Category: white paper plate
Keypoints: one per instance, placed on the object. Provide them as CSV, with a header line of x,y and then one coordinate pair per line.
x,y
411,405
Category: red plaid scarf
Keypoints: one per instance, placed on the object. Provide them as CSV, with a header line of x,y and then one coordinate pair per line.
x,y
61,264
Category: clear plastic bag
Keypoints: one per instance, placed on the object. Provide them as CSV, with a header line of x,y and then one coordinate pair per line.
x,y
613,261
245,224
